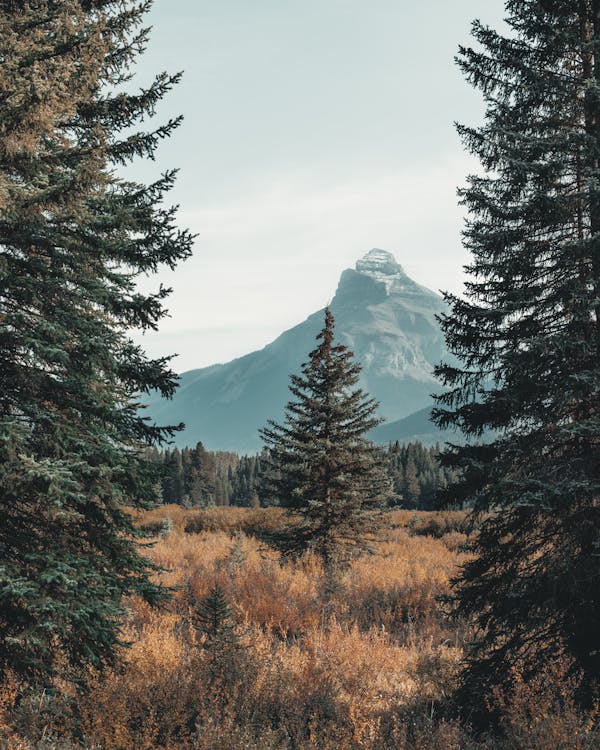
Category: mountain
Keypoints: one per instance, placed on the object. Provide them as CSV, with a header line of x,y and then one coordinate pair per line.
x,y
382,315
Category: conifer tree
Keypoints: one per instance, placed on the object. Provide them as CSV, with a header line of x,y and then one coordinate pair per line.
x,y
202,476
412,489
323,468
174,481
73,238
528,336
225,655
214,619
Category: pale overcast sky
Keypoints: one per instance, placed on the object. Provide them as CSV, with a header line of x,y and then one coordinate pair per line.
x,y
314,130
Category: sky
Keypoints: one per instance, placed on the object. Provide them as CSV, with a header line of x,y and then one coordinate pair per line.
x,y
314,130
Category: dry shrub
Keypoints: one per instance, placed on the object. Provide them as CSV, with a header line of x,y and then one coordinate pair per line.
x,y
34,719
258,521
399,589
142,703
431,523
542,713
250,521
9,695
318,669
455,541
425,732
366,664
150,521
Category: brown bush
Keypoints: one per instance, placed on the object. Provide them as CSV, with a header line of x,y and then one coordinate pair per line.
x,y
542,712
365,664
435,524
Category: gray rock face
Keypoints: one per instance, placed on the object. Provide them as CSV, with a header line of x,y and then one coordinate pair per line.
x,y
380,263
384,317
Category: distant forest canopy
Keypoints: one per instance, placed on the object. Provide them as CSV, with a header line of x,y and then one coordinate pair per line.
x,y
195,477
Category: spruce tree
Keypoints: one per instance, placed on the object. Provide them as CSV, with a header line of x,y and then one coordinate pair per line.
x,y
212,617
225,655
202,477
527,394
73,238
323,468
173,480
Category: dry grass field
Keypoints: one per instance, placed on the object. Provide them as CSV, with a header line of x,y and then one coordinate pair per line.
x,y
369,660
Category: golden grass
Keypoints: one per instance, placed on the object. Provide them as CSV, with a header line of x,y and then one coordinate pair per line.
x,y
363,663
320,666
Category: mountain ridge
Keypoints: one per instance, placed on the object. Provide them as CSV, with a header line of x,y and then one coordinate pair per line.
x,y
387,320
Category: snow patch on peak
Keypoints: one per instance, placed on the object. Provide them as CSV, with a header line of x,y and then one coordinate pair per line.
x,y
381,266
379,261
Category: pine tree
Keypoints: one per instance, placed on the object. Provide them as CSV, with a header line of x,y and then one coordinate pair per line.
x,y
412,489
202,476
173,483
324,470
224,654
73,238
527,394
222,491
213,618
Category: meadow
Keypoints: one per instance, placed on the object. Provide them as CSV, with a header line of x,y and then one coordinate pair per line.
x,y
369,660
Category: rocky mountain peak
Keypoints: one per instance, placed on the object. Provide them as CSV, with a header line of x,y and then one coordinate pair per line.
x,y
382,315
377,276
381,266
379,263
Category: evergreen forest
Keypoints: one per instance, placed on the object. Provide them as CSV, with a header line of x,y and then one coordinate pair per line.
x,y
194,477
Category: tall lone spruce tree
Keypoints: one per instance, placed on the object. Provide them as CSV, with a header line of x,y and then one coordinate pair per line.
x,y
528,336
324,470
73,238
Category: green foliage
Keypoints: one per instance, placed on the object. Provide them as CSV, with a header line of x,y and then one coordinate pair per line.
x,y
419,479
213,619
225,656
323,469
528,338
173,480
222,491
73,238
198,475
244,479
188,476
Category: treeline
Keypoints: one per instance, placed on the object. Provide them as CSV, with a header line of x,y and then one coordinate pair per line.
x,y
418,477
195,477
